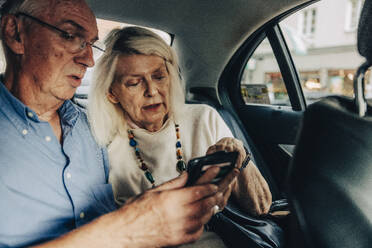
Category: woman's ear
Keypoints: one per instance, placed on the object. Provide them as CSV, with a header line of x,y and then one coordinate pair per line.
x,y
10,27
111,97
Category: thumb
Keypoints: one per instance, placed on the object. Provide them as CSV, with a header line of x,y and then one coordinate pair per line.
x,y
175,183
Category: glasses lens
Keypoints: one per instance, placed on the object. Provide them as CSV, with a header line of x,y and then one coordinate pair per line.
x,y
73,43
98,49
99,45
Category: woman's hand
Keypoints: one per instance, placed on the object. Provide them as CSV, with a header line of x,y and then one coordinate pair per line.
x,y
250,188
228,144
252,192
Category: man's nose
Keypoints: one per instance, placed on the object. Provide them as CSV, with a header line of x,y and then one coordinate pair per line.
x,y
85,57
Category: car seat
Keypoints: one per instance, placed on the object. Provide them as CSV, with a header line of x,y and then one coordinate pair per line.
x,y
330,177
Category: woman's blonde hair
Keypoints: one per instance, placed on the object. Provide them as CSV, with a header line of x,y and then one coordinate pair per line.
x,y
108,119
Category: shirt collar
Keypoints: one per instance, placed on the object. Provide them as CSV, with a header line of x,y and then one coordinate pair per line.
x,y
69,113
12,104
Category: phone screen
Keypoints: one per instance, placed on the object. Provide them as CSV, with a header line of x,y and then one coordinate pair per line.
x,y
197,166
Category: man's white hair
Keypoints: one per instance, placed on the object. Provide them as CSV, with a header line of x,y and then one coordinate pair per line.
x,y
108,119
33,7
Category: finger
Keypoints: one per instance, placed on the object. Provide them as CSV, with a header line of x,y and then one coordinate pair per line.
x,y
203,206
194,226
226,196
224,183
221,146
208,175
207,216
194,193
186,235
223,143
211,149
193,236
175,183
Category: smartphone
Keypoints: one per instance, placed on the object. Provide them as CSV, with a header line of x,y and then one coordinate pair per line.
x,y
197,166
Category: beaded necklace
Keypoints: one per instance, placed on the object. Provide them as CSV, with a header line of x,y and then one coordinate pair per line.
x,y
181,165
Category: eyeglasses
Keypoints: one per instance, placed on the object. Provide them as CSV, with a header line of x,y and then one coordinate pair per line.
x,y
74,43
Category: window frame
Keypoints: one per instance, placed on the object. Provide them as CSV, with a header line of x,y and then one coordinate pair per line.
x,y
230,80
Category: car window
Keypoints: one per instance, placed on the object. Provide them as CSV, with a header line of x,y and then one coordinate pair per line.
x,y
262,81
322,39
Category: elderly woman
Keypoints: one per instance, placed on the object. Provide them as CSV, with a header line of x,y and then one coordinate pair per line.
x,y
136,108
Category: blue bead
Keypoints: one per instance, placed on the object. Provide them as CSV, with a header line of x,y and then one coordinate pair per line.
x,y
132,142
137,149
178,144
149,177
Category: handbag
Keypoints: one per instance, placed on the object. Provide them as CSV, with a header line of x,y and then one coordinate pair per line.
x,y
238,229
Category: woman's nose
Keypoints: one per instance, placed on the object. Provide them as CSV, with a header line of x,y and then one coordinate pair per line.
x,y
151,89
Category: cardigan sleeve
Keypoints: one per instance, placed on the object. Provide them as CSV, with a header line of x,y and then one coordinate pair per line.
x,y
218,125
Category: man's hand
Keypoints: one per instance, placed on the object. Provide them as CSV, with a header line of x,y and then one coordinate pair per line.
x,y
224,186
169,214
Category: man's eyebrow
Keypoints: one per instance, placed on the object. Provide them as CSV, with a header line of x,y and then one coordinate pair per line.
x,y
78,27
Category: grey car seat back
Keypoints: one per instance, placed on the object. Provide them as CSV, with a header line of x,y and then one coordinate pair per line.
x,y
330,178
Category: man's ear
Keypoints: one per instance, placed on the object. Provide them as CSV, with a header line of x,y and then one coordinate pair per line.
x,y
111,97
10,33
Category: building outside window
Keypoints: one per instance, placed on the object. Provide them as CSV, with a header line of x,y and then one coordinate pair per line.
x,y
353,9
309,21
322,39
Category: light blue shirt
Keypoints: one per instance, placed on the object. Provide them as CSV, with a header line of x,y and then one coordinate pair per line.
x,y
48,188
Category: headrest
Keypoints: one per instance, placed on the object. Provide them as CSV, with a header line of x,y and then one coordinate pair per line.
x,y
331,175
2,5
365,31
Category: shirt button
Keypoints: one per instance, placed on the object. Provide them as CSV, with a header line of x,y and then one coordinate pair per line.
x,y
24,131
30,114
48,138
82,215
68,175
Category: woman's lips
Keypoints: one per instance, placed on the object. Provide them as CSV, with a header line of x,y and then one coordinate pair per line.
x,y
152,107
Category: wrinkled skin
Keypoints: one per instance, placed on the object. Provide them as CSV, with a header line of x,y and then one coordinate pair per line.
x,y
168,215
250,188
40,71
141,87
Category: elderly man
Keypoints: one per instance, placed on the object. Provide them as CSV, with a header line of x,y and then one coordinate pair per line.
x,y
53,176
